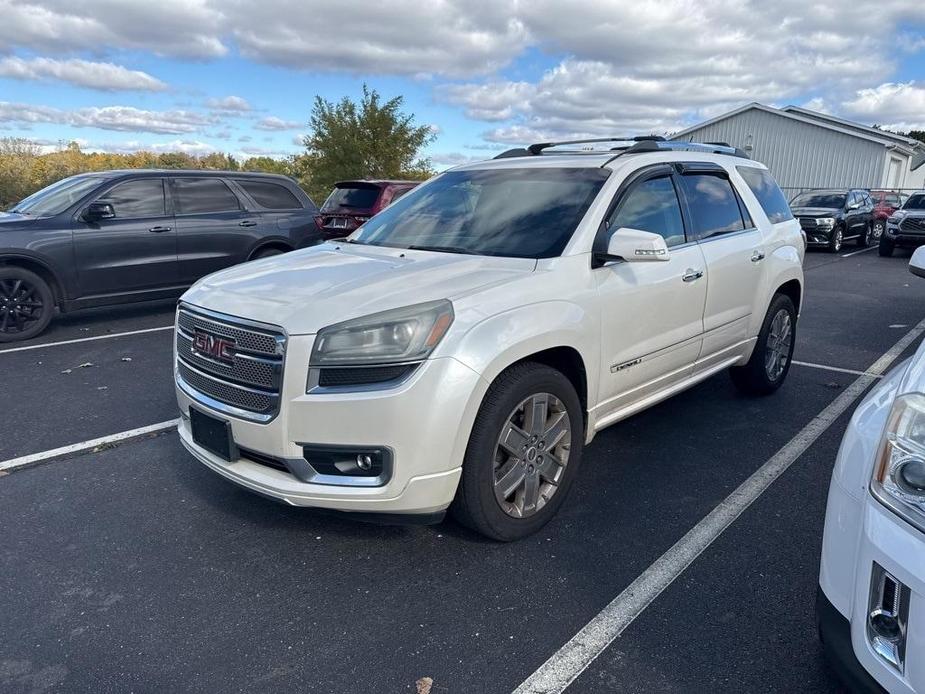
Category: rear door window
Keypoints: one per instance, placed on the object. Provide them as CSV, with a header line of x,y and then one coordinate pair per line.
x,y
713,205
136,199
271,196
769,195
204,195
351,198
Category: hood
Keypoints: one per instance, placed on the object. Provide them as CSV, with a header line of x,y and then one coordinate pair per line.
x,y
11,219
815,211
306,290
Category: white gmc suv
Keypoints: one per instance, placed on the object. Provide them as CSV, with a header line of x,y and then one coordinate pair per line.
x,y
459,349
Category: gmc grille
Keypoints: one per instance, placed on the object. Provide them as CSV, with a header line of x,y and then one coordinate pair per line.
x,y
249,383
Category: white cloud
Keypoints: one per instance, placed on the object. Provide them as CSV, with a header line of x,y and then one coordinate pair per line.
x,y
195,147
229,103
82,73
180,28
264,152
274,123
895,106
124,118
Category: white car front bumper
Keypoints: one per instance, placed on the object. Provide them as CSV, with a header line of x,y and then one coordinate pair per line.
x,y
860,534
424,423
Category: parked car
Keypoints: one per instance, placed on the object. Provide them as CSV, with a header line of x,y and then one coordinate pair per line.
x,y
122,236
351,203
906,227
459,349
871,600
831,217
886,202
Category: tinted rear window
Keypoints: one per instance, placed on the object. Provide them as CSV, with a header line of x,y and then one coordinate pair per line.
x,y
272,196
833,201
355,198
770,197
200,195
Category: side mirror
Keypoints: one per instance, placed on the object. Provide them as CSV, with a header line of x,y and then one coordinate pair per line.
x,y
99,210
634,246
917,264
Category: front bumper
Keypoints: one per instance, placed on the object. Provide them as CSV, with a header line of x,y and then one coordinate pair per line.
x,y
819,236
835,634
903,239
859,532
424,421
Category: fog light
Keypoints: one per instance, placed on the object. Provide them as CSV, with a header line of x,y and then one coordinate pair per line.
x,y
349,462
364,461
888,617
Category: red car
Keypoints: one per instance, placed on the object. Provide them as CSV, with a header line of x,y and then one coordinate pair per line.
x,y
353,202
886,202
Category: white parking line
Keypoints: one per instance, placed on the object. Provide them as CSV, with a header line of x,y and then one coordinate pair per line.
x,y
863,250
835,368
86,339
574,657
22,461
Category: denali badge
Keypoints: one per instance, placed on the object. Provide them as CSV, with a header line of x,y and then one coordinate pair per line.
x,y
213,346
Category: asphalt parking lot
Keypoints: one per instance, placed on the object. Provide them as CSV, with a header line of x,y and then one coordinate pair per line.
x,y
134,568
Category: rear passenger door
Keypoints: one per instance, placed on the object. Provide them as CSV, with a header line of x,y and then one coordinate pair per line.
x,y
733,248
856,215
214,230
282,211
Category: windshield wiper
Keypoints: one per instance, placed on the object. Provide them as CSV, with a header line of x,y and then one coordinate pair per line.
x,y
442,249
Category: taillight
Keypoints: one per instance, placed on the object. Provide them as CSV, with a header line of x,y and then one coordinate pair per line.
x,y
319,222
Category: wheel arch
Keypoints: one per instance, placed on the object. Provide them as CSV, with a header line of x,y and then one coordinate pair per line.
x,y
40,268
266,244
794,290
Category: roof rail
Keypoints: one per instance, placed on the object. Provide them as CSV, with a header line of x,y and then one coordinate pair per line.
x,y
540,146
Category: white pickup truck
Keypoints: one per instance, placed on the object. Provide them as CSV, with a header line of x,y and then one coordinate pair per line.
x,y
459,349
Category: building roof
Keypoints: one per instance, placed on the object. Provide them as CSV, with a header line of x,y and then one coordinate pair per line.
x,y
820,120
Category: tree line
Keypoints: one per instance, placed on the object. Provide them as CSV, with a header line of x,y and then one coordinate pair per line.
x,y
371,138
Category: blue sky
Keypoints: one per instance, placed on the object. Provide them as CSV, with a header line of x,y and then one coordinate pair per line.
x,y
206,75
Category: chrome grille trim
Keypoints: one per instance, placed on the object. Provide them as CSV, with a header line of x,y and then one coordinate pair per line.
x,y
247,387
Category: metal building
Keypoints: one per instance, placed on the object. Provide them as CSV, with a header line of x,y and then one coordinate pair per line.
x,y
805,149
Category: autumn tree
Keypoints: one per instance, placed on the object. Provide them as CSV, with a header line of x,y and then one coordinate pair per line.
x,y
370,139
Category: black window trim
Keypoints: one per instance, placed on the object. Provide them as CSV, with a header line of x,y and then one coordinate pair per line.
x,y
242,207
699,168
115,183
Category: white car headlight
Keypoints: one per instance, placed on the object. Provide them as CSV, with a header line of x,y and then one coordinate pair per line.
x,y
391,337
825,221
899,475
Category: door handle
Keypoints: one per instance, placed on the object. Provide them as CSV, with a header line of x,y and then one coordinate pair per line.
x,y
691,275
159,230
247,223
757,256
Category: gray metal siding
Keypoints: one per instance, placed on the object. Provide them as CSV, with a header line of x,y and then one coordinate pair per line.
x,y
800,155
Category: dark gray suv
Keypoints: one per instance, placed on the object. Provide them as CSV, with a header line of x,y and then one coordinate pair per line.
x,y
122,236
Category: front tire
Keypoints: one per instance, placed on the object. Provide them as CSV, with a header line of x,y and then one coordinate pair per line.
x,y
838,235
770,362
886,247
26,304
523,453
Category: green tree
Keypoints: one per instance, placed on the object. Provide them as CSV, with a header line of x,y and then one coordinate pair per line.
x,y
369,139
267,165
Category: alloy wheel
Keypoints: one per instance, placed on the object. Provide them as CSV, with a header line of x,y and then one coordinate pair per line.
x,y
780,339
878,229
836,241
21,305
531,454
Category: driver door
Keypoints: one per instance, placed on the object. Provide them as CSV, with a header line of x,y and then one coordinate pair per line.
x,y
651,311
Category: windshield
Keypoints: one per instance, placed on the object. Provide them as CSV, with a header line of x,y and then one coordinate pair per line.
x,y
57,197
915,202
833,201
355,197
520,213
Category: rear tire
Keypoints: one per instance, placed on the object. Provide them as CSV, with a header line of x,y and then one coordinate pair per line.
x,y
864,239
878,229
514,461
769,364
886,247
26,304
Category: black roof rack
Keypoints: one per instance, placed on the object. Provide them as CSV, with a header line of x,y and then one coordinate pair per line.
x,y
640,145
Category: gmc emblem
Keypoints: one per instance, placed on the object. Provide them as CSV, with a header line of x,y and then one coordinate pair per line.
x,y
213,346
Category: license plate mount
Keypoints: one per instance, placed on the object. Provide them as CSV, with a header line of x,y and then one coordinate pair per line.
x,y
213,434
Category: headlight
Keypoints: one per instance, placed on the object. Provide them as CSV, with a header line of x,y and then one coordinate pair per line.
x,y
401,335
899,475
825,222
